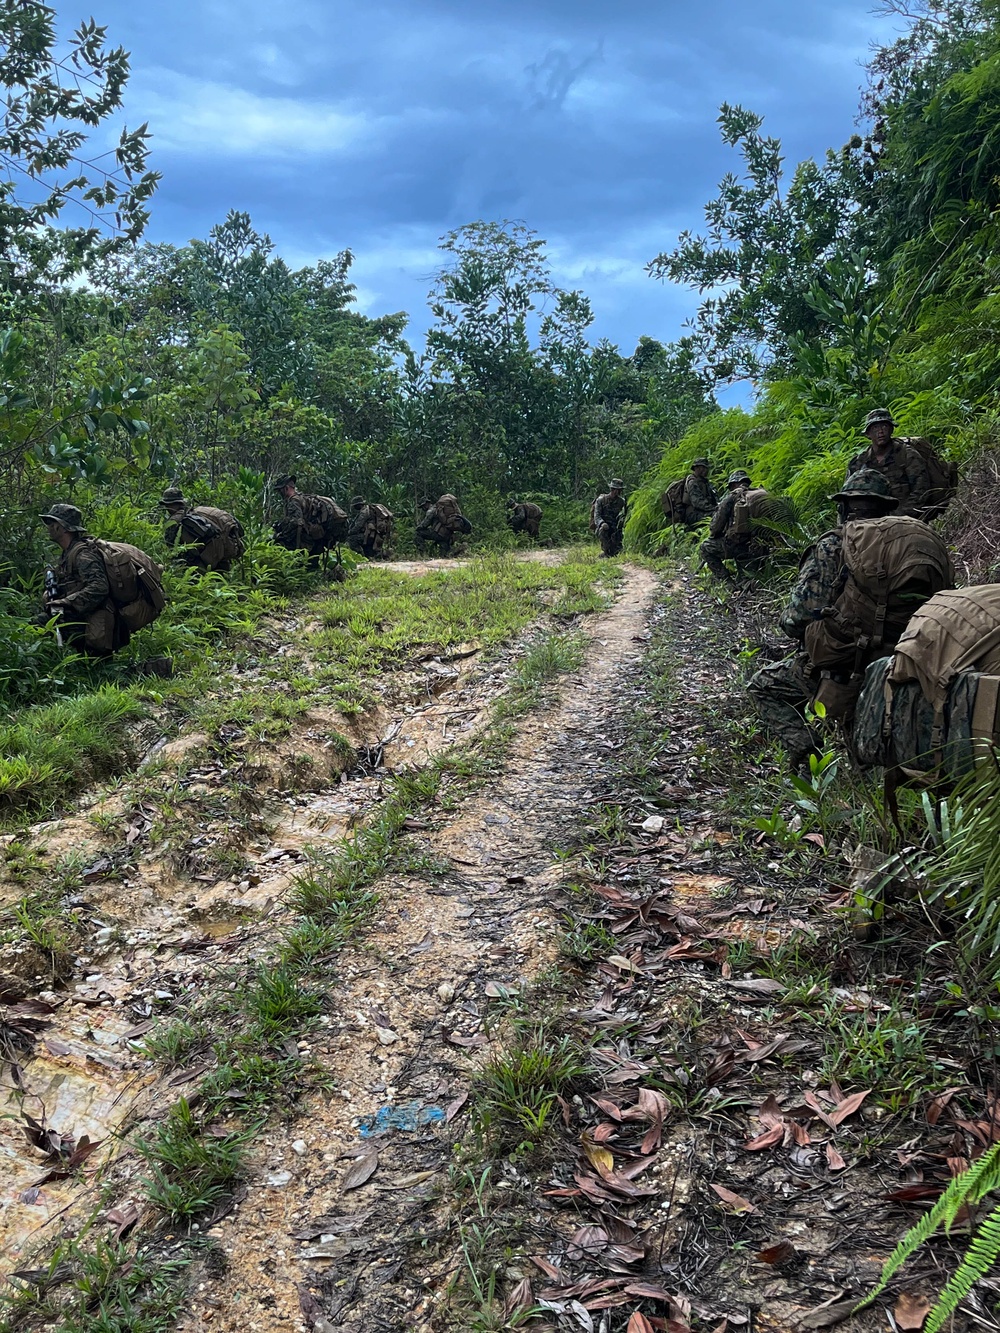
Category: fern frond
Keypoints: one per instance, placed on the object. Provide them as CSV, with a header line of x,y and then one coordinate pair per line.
x,y
970,1186
980,1257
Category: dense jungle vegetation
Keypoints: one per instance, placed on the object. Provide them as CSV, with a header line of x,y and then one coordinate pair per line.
x,y
868,278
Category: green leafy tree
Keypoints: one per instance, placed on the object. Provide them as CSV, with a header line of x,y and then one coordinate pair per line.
x,y
51,102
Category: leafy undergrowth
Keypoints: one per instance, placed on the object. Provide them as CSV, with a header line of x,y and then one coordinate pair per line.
x,y
763,1096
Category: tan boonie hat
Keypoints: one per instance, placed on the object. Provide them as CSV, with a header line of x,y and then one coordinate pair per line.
x,y
173,495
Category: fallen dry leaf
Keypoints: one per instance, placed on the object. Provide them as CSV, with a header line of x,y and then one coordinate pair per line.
x,y
911,1310
639,1324
770,1139
778,1253
833,1158
847,1107
735,1201
361,1172
601,1159
453,1108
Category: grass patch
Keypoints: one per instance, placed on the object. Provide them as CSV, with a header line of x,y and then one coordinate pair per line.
x,y
516,1094
63,746
191,1171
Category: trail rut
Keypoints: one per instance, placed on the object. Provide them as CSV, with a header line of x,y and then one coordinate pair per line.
x,y
409,1017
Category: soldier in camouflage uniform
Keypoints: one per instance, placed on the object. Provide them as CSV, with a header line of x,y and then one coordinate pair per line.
x,y
782,690
607,517
899,463
721,543
370,531
200,542
82,586
293,530
523,516
699,500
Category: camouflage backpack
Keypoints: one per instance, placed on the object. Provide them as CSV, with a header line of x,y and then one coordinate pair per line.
x,y
229,528
891,565
450,514
672,501
327,515
135,582
756,511
943,473
934,706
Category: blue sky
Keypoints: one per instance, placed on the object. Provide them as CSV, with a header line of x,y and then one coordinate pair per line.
x,y
378,126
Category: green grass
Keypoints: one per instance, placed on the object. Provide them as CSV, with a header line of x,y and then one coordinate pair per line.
x,y
191,1171
516,1092
64,746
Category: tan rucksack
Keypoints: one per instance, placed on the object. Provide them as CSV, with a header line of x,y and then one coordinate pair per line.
x,y
943,473
957,630
135,582
755,511
893,565
229,528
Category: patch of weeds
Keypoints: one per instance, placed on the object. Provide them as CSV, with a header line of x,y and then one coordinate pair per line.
x,y
583,941
21,860
192,1171
277,1002
107,1288
515,1098
177,1041
257,1083
38,926
885,1051
309,942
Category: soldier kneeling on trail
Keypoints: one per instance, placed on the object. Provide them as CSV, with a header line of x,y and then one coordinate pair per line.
x,y
607,518
857,588
442,522
207,538
523,516
101,592
741,528
312,523
370,531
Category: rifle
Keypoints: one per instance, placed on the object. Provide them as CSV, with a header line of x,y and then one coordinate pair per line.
x,y
51,592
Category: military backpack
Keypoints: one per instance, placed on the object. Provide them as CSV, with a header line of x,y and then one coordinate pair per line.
x,y
934,706
451,515
319,511
943,474
224,525
891,566
757,511
672,501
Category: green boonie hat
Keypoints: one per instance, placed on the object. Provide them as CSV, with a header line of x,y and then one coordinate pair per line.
x,y
700,462
286,479
876,415
867,483
173,495
616,484
68,515
358,502
736,477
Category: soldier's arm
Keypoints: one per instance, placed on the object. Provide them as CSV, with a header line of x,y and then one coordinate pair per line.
x,y
816,588
918,477
170,534
722,516
94,590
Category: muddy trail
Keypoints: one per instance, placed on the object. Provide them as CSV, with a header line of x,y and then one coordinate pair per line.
x,y
744,1137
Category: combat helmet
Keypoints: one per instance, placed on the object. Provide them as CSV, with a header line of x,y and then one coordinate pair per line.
x,y
738,477
876,416
866,484
173,495
68,515
699,462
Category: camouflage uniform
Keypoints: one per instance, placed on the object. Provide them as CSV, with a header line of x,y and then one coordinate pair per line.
x,y
432,528
905,471
608,516
721,544
370,530
202,543
293,530
700,500
781,690
82,590
523,516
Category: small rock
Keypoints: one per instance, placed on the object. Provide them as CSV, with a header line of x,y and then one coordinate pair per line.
x,y
654,824
277,1180
300,1147
103,936
446,992
386,1035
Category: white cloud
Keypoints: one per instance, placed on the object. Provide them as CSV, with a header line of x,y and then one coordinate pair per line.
x,y
202,118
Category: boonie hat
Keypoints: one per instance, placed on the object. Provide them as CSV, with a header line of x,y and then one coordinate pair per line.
x,y
700,462
876,415
616,484
738,476
173,495
286,479
867,484
68,515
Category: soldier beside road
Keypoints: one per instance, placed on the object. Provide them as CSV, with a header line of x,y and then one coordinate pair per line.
x,y
206,538
902,466
607,517
524,516
698,499
442,522
722,542
855,593
80,587
370,532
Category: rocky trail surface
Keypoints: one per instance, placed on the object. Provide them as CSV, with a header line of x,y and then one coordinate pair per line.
x,y
715,1165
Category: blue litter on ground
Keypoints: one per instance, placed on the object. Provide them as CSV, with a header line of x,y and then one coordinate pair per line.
x,y
408,1116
